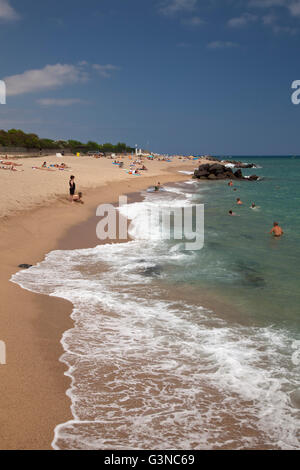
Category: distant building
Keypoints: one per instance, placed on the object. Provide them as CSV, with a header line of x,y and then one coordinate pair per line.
x,y
142,153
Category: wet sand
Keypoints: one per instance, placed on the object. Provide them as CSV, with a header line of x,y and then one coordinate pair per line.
x,y
32,383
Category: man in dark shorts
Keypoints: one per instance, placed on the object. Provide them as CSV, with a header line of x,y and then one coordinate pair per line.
x,y
72,186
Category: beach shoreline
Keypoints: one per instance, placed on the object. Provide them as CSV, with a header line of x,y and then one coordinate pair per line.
x,y
32,383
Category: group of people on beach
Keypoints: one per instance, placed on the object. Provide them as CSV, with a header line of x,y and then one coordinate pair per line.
x,y
276,230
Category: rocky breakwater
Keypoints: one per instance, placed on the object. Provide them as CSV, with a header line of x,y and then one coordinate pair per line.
x,y
218,171
235,164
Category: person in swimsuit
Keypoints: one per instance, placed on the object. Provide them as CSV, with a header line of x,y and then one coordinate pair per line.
x,y
239,202
78,198
72,186
276,230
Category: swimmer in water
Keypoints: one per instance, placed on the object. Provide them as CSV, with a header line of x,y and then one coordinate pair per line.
x,y
231,213
276,230
239,202
230,183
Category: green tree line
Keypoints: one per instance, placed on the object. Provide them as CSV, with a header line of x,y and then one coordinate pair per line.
x,y
18,138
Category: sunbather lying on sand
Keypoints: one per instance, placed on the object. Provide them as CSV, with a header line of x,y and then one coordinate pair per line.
x,y
42,168
10,168
62,166
10,163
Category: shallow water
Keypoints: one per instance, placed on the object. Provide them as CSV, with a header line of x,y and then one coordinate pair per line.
x,y
176,349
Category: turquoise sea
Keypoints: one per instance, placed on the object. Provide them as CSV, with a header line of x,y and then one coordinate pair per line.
x,y
179,349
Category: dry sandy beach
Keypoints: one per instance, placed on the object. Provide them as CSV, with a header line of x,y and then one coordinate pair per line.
x,y
35,215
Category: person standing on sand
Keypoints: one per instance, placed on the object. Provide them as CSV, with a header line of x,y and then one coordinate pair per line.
x,y
276,230
72,186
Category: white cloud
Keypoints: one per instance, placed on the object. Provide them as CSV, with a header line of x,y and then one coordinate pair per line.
x,y
169,7
268,3
222,45
293,6
194,21
269,19
183,44
285,29
60,102
7,12
242,20
105,70
51,76
274,15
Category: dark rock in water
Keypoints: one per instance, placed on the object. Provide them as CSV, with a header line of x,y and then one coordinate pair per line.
x,y
255,281
238,174
152,271
213,171
253,178
240,164
251,275
202,173
25,266
216,167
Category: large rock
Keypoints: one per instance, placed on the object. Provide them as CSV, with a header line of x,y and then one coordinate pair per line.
x,y
216,168
205,166
213,171
240,164
200,173
238,174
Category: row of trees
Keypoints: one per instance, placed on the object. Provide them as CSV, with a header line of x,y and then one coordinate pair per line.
x,y
18,138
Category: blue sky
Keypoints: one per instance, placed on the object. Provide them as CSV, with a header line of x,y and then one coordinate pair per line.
x,y
189,76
